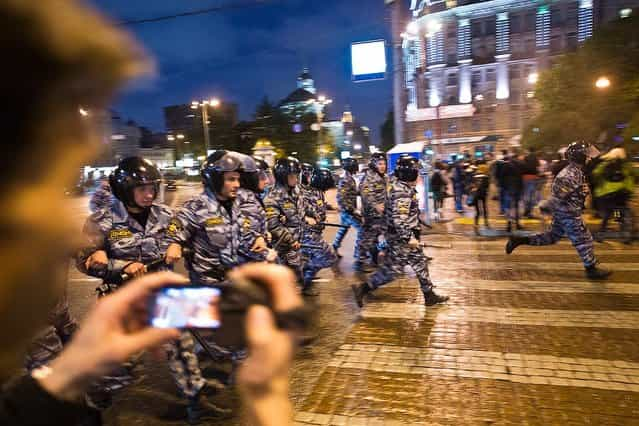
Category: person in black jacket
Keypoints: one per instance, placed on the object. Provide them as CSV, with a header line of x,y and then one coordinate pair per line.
x,y
511,178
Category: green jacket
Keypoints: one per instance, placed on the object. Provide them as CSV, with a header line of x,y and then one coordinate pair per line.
x,y
605,187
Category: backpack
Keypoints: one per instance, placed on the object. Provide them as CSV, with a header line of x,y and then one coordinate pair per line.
x,y
613,172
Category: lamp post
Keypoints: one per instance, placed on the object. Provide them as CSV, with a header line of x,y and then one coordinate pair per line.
x,y
213,102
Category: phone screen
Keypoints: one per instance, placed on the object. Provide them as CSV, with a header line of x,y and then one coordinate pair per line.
x,y
185,307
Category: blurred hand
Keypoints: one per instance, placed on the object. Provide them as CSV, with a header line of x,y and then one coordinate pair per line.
x,y
259,245
271,256
296,245
98,258
310,221
136,269
379,208
173,254
114,330
263,376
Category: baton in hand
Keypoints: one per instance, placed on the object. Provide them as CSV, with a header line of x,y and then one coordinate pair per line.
x,y
334,225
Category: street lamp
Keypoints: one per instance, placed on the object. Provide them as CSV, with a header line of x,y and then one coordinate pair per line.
x,y
83,112
533,78
602,83
213,102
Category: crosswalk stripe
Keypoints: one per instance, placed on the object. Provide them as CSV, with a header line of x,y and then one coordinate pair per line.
x,y
476,264
513,367
539,286
514,316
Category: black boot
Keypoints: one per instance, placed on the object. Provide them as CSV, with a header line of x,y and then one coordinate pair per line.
x,y
509,228
339,256
309,289
431,298
514,242
360,291
594,273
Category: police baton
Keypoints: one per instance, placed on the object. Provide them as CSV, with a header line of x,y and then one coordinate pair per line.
x,y
311,247
334,225
426,245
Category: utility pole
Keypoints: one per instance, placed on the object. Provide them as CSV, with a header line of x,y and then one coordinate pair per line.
x,y
399,91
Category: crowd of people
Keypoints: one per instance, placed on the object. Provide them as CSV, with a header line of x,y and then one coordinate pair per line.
x,y
520,180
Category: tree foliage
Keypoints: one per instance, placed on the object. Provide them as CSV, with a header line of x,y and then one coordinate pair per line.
x,y
572,108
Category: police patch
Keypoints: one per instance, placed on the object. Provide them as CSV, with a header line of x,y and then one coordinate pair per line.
x,y
174,227
214,221
288,205
118,234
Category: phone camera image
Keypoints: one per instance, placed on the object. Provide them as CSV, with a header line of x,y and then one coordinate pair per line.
x,y
186,308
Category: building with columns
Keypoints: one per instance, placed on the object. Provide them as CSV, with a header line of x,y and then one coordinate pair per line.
x,y
471,66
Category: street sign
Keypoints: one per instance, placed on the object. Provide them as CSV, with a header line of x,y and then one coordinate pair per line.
x,y
368,60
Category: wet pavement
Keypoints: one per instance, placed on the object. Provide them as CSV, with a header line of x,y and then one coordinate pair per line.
x,y
525,339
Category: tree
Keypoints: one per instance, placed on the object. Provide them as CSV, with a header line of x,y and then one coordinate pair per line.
x,y
572,108
388,131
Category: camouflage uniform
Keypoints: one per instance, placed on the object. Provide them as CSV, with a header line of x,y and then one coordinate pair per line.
x,y
252,225
101,199
204,225
347,203
315,259
373,193
124,240
568,194
285,219
50,341
402,218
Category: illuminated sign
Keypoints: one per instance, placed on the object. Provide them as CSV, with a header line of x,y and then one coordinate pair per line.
x,y
368,60
447,111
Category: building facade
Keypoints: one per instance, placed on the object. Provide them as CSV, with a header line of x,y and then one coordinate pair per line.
x,y
471,66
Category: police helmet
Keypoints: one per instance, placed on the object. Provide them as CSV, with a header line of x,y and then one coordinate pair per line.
x,y
407,169
249,173
132,172
285,167
322,179
578,152
375,158
350,165
307,173
216,165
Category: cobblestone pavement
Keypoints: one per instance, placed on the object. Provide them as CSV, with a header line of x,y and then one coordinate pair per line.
x,y
525,339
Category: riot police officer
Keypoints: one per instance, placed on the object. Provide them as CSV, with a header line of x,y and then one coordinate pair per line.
x,y
373,194
568,194
285,214
316,252
123,239
254,178
349,216
403,233
208,225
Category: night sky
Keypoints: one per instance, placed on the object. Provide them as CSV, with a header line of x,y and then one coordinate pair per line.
x,y
240,55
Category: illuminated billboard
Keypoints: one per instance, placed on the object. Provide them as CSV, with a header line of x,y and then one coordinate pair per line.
x,y
368,60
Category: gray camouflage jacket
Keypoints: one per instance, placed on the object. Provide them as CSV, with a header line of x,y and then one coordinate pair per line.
x,y
285,214
315,204
205,227
373,192
402,211
569,190
252,222
347,193
123,238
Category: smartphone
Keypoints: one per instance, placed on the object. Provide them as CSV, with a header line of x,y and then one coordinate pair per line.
x,y
184,306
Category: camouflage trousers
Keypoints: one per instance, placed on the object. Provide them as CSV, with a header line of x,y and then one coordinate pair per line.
x,y
573,227
316,259
50,341
293,259
372,228
398,256
184,365
349,220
